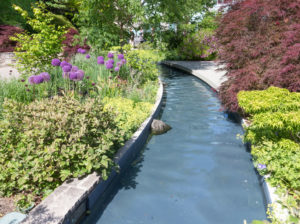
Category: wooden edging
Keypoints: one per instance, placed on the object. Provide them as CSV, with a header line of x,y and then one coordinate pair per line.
x,y
70,201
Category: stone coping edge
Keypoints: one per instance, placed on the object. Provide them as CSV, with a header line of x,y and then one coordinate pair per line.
x,y
69,202
192,72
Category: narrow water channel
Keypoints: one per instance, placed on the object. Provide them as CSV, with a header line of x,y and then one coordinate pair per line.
x,y
197,173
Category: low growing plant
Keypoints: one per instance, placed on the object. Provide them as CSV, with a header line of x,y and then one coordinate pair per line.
x,y
48,141
275,137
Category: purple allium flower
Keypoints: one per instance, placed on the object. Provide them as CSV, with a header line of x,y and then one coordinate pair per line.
x,y
100,62
87,56
73,76
55,62
26,85
120,56
22,80
64,63
80,74
45,76
111,61
38,79
100,58
109,65
87,77
31,80
261,166
110,77
74,69
119,64
28,90
67,68
117,69
110,55
79,50
123,61
93,84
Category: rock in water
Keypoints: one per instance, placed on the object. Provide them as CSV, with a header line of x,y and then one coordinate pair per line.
x,y
159,127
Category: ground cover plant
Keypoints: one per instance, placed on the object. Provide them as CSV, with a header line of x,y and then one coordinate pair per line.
x,y
274,133
259,43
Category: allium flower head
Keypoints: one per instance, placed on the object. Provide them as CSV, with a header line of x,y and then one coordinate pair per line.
x,y
119,64
45,76
81,51
31,79
88,56
111,61
64,63
110,55
109,65
120,56
117,69
74,69
38,79
261,166
100,62
80,74
100,58
55,62
67,68
123,61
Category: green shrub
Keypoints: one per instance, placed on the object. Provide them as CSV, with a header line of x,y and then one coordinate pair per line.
x,y
128,114
143,65
46,142
275,136
196,46
35,51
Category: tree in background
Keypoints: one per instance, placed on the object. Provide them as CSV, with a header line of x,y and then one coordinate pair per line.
x,y
259,43
108,22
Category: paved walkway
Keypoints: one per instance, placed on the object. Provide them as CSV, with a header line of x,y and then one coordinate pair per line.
x,y
7,70
204,70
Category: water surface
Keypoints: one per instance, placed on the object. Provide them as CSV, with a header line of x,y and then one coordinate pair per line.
x,y
199,172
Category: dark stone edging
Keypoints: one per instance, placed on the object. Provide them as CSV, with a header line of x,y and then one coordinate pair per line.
x,y
70,201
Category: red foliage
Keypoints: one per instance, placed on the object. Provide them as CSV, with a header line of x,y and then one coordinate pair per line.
x,y
69,49
259,40
6,31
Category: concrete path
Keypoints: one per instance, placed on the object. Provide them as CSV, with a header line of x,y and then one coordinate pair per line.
x,y
208,71
7,69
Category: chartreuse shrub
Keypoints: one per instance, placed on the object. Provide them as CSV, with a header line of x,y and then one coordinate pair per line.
x,y
128,114
275,136
143,65
47,141
36,50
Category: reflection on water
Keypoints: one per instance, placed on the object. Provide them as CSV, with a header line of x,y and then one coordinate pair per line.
x,y
198,172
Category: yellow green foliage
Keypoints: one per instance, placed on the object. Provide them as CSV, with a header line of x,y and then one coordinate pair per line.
x,y
128,114
271,99
275,136
35,51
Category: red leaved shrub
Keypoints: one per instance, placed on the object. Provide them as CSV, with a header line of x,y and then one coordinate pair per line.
x,y
6,31
259,40
70,46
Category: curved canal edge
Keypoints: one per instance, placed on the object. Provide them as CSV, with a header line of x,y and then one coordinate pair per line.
x,y
70,202
208,72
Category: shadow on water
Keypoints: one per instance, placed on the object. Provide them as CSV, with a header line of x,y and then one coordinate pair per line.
x,y
170,174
